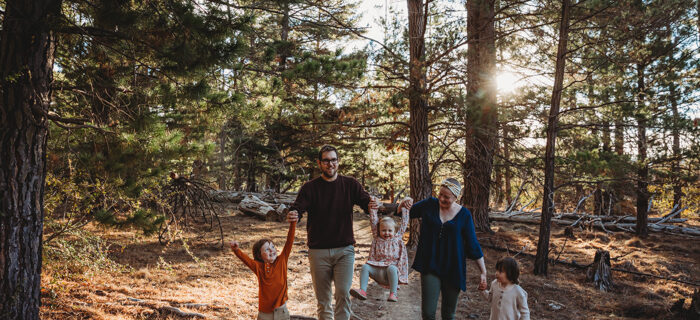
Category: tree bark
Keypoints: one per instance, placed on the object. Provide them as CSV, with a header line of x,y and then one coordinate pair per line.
x,y
419,175
600,272
675,166
509,174
222,159
542,258
618,187
26,56
481,120
642,167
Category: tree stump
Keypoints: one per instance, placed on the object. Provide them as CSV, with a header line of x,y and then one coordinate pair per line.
x,y
693,312
600,273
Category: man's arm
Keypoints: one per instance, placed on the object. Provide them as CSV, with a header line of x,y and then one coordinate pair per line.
x,y
301,204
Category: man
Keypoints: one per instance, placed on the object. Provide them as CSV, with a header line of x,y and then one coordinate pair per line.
x,y
329,200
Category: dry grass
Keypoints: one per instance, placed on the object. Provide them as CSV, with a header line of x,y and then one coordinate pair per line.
x,y
203,273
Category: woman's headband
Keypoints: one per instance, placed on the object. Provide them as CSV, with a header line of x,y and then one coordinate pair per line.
x,y
454,188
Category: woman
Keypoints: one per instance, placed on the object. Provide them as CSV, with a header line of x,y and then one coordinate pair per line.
x,y
446,239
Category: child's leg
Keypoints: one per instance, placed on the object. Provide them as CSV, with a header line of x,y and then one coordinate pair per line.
x,y
392,274
379,275
364,276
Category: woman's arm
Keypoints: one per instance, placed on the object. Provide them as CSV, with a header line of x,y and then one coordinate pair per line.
x,y
419,208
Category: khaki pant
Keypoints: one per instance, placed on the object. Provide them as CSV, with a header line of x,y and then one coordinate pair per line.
x,y
332,266
280,313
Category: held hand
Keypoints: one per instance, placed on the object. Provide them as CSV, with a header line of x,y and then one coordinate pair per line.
x,y
373,204
292,216
482,284
406,203
234,245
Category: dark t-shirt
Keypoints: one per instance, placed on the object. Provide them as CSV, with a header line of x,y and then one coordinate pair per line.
x,y
329,205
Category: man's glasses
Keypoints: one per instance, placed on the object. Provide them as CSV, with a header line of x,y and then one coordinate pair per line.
x,y
329,161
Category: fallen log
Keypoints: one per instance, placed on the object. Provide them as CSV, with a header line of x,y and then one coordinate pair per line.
x,y
577,265
631,219
238,196
263,210
158,305
598,222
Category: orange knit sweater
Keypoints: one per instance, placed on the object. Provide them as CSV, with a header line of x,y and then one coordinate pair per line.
x,y
272,277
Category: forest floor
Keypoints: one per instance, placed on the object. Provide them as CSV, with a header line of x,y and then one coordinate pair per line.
x,y
83,285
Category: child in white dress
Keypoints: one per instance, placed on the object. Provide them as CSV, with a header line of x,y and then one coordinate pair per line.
x,y
508,300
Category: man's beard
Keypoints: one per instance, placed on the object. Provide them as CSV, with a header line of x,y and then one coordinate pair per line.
x,y
325,174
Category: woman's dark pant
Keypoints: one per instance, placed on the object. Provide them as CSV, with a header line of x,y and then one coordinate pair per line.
x,y
431,287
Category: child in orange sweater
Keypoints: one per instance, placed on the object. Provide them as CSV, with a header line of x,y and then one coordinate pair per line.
x,y
271,271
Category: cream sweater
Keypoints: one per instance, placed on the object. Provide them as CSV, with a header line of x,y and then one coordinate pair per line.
x,y
509,303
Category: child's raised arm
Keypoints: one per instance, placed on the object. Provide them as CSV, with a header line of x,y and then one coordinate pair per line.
x,y
244,257
404,222
290,239
373,220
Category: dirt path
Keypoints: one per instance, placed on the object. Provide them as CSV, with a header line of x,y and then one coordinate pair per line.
x,y
202,273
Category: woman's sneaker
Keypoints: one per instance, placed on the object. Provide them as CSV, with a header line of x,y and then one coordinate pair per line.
x,y
392,298
359,294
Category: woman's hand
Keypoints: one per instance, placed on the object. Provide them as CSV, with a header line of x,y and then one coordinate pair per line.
x,y
482,283
405,203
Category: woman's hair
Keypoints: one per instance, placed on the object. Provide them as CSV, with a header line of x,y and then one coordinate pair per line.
x,y
387,220
257,255
510,267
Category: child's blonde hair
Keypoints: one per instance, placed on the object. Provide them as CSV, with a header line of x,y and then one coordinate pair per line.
x,y
388,221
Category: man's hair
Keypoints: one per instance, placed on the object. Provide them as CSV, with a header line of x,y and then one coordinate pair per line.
x,y
324,149
257,255
385,220
510,267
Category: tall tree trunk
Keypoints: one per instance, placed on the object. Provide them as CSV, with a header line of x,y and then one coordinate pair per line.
x,y
251,185
606,153
222,159
506,157
26,60
675,166
275,176
642,167
499,175
418,172
482,122
542,258
618,186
